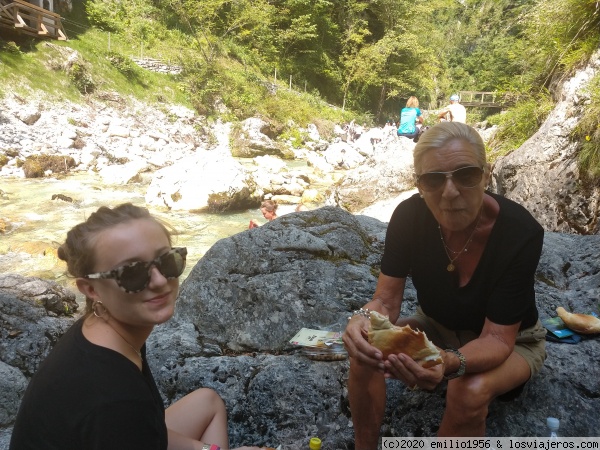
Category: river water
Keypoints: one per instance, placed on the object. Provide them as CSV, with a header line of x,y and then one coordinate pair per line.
x,y
39,224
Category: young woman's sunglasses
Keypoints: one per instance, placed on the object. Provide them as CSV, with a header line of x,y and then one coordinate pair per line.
x,y
465,177
135,277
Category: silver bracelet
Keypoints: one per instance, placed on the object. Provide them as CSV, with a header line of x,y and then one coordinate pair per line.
x,y
461,368
361,312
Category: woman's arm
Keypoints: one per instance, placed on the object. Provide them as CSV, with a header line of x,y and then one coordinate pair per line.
x,y
387,300
493,346
388,295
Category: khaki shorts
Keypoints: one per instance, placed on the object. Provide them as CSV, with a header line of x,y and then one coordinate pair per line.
x,y
530,342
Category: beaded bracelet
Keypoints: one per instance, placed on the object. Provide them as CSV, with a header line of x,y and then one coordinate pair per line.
x,y
361,312
210,447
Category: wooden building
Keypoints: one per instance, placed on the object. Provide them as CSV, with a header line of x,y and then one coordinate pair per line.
x,y
33,18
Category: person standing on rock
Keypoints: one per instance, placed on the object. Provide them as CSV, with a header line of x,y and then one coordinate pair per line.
x,y
95,389
472,257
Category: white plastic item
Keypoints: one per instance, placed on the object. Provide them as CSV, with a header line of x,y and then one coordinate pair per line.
x,y
553,425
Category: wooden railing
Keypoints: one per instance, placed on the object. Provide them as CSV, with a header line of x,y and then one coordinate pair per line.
x,y
31,20
481,99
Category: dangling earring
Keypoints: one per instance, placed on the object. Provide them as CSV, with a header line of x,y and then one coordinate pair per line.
x,y
95,304
420,195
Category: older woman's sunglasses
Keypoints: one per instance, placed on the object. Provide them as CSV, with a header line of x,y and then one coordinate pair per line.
x,y
135,277
465,177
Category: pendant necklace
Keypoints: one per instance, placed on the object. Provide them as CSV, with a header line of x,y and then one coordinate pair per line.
x,y
137,352
451,267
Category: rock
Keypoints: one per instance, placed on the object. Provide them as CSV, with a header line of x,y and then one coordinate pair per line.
x,y
252,140
5,226
119,174
343,156
543,174
62,197
313,132
204,181
55,299
384,175
29,116
253,291
311,196
310,270
12,385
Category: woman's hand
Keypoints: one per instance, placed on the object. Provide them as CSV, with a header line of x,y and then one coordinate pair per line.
x,y
355,341
405,369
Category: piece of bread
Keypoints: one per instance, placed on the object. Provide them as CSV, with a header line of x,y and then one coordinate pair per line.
x,y
580,323
391,339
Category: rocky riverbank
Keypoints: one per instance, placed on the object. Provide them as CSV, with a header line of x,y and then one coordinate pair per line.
x,y
252,292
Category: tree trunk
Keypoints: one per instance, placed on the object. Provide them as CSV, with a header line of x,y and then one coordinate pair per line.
x,y
381,102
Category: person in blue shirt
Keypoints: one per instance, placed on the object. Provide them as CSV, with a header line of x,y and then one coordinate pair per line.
x,y
409,116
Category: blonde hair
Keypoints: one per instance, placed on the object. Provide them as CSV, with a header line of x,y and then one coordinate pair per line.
x,y
412,102
440,134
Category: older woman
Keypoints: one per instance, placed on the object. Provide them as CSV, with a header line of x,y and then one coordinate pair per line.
x,y
472,256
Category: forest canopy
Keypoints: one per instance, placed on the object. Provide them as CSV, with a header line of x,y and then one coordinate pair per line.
x,y
305,60
370,55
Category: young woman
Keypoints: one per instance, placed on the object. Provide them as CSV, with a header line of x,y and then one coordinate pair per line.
x,y
95,389
409,117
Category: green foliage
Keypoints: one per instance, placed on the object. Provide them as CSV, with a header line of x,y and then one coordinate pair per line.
x,y
102,14
366,56
133,17
10,47
81,78
560,35
293,135
587,133
123,64
518,124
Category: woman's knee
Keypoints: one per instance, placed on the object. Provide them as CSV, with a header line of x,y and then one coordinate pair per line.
x,y
209,396
201,399
469,393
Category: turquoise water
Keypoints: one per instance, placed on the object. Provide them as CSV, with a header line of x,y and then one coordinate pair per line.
x,y
40,223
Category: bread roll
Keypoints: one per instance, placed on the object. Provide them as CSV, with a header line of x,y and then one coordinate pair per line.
x,y
580,323
391,339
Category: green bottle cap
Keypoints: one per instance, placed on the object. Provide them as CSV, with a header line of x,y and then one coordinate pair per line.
x,y
315,443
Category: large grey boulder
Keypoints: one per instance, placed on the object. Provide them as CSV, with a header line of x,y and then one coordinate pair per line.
x,y
543,173
253,291
33,316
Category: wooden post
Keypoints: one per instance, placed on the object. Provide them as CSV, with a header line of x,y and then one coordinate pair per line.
x,y
290,82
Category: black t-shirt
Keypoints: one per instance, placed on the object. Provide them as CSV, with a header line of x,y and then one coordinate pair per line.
x,y
88,397
502,286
